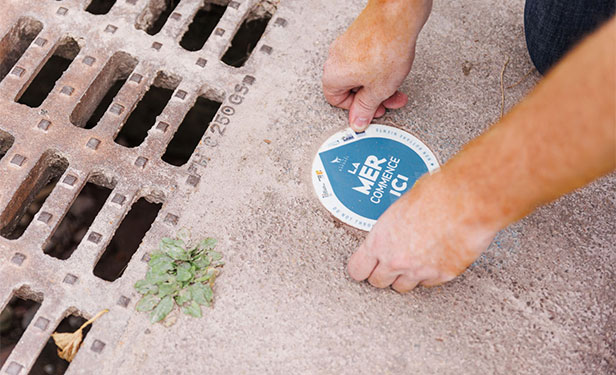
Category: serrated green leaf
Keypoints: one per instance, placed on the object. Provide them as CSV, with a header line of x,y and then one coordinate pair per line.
x,y
147,303
209,293
211,272
166,241
201,293
207,244
174,248
142,286
184,272
157,256
193,309
161,310
160,264
167,288
184,235
162,268
202,261
215,255
145,287
156,278
183,297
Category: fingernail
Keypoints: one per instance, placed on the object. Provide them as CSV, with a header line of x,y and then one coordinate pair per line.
x,y
361,123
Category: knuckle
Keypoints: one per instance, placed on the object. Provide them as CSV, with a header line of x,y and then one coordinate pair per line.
x,y
400,263
366,101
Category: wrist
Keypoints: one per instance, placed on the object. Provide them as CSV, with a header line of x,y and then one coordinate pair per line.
x,y
482,182
407,14
461,202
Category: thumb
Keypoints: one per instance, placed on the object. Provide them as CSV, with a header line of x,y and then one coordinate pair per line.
x,y
363,109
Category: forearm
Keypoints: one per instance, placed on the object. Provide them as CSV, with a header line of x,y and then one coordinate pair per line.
x,y
408,16
562,136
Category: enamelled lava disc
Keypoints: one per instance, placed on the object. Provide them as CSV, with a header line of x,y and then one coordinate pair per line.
x,y
358,175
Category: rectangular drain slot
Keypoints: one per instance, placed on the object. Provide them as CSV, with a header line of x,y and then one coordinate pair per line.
x,y
45,80
100,6
126,240
77,220
48,359
105,87
14,320
202,26
246,38
14,44
155,16
190,132
6,142
31,195
144,115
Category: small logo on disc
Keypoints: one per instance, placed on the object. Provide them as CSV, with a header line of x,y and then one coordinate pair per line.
x,y
357,176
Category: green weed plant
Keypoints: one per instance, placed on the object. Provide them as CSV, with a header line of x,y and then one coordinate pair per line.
x,y
182,274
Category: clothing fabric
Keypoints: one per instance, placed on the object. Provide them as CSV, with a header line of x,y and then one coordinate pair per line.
x,y
553,27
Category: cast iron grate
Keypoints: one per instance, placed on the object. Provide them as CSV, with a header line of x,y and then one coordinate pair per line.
x,y
109,113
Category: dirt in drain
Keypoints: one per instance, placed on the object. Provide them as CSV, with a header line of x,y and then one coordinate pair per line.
x,y
32,209
245,40
202,26
14,320
77,220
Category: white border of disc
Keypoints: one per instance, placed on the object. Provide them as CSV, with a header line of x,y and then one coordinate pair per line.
x,y
322,187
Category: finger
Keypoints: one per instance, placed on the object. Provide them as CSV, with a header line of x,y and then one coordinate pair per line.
x,y
361,264
404,284
363,109
338,97
435,281
382,276
337,87
397,100
380,112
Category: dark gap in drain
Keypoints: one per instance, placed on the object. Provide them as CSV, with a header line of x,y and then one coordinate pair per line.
x,y
142,118
202,26
15,43
14,320
100,6
6,142
31,195
190,132
103,90
45,80
156,15
77,220
126,240
104,104
246,39
48,362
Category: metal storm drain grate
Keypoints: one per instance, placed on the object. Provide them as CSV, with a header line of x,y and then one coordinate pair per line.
x,y
109,114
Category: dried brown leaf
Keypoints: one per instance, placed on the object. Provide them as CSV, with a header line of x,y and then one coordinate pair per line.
x,y
69,343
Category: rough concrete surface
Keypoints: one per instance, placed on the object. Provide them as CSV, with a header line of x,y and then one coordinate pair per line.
x,y
540,300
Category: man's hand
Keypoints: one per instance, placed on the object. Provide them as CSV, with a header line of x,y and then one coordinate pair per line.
x,y
561,137
428,237
368,63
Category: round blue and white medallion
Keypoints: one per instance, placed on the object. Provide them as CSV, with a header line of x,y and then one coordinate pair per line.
x,y
357,176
